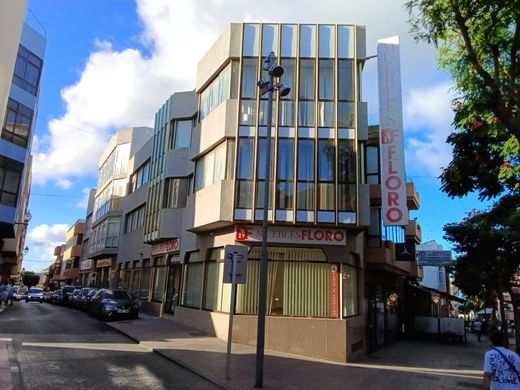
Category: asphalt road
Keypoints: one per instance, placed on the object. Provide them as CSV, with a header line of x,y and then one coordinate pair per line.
x,y
62,348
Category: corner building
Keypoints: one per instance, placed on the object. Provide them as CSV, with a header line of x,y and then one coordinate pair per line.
x,y
207,180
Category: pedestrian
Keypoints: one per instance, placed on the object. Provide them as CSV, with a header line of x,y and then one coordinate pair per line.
x,y
477,327
501,365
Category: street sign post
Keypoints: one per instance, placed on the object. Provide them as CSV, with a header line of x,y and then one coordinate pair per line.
x,y
235,268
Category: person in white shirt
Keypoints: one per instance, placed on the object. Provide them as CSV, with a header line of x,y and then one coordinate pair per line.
x,y
477,327
501,366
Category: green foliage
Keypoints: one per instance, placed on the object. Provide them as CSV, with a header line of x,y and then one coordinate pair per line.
x,y
30,278
478,43
489,247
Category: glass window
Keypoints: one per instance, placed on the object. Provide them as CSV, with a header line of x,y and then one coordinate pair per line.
x,y
326,114
307,41
247,112
326,160
326,42
193,278
211,167
176,193
326,80
263,114
305,196
285,159
372,164
284,195
286,112
345,80
288,76
306,113
249,77
159,284
245,158
216,92
269,39
146,275
345,42
326,196
250,40
10,177
346,162
183,133
262,154
306,79
27,70
244,194
289,39
305,159
349,280
18,122
217,295
346,116
260,191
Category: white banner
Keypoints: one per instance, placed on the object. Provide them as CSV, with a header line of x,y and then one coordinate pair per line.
x,y
290,235
391,138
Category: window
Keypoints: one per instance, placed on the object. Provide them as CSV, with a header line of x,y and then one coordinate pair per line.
x,y
269,39
10,178
307,40
248,91
27,70
372,164
175,193
211,167
218,91
18,122
285,174
180,136
326,174
346,176
134,219
159,283
139,177
349,280
326,93
289,35
286,108
244,187
306,93
146,275
217,295
251,39
261,173
193,277
327,41
305,185
345,42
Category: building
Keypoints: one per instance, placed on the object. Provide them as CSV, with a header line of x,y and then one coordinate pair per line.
x,y
107,211
69,274
21,51
87,275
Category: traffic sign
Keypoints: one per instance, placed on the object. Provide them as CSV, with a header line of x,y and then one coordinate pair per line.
x,y
239,252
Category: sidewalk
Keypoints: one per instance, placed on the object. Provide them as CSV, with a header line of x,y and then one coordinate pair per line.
x,y
403,365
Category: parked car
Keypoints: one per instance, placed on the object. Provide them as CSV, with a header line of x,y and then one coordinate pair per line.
x,y
84,297
20,294
73,298
107,304
55,296
34,294
66,292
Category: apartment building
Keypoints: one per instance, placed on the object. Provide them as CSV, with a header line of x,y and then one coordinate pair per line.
x,y
21,60
69,274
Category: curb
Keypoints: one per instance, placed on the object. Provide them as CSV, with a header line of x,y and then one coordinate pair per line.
x,y
178,362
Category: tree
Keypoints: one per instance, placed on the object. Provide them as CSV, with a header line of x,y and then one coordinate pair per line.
x,y
30,278
489,247
478,42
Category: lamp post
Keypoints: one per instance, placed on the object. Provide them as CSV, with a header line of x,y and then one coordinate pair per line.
x,y
275,71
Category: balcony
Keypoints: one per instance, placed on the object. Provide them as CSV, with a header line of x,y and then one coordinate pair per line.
x,y
412,196
383,258
221,123
213,207
413,231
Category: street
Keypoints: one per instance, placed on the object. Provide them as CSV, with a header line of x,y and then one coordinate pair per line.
x,y
58,348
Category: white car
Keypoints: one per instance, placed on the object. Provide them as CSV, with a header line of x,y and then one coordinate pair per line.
x,y
34,294
20,295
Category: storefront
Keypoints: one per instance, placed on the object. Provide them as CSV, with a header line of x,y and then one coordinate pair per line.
x,y
103,274
87,273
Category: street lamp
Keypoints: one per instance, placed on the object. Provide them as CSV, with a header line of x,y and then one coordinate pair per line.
x,y
275,71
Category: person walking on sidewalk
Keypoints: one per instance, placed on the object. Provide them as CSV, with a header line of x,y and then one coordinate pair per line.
x,y
477,327
501,366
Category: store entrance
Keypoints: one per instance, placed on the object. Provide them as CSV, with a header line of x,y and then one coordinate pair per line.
x,y
172,288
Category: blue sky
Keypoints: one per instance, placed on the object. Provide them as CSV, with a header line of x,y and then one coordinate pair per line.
x,y
112,63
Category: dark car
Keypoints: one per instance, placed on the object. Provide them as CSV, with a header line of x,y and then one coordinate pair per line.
x,y
55,296
107,304
34,294
66,292
73,298
84,297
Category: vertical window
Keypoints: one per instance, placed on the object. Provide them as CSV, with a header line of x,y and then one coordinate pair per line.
x,y
244,187
345,80
286,103
250,40
346,176
249,77
159,283
183,134
307,41
217,295
305,185
306,93
372,164
289,39
27,70
193,278
269,39
18,121
261,173
146,275
218,91
285,174
326,93
345,42
175,193
10,178
327,42
349,280
211,167
326,174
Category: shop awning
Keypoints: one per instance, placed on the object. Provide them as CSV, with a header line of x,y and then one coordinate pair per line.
x,y
443,294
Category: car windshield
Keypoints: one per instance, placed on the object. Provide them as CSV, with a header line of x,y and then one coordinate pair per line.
x,y
117,294
35,290
68,289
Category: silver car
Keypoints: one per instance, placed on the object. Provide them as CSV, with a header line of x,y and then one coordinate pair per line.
x,y
34,294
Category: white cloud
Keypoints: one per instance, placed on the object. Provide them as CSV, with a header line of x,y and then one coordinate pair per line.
x,y
428,117
41,241
45,234
119,88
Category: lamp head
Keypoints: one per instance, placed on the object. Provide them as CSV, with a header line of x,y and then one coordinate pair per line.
x,y
276,71
283,90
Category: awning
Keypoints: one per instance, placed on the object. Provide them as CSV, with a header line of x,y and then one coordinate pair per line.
x,y
443,294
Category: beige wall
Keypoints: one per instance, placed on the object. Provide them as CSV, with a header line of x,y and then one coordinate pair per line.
x,y
11,22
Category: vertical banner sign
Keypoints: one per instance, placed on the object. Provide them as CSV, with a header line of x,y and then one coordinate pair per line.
x,y
391,138
334,291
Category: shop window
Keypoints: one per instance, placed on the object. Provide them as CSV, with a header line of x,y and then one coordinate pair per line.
x,y
193,277
217,295
349,280
158,283
144,290
134,287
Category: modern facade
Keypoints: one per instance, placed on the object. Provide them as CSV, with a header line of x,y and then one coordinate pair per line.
x,y
18,113
69,274
107,212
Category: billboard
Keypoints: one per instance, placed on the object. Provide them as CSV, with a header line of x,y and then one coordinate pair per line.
x,y
434,258
391,139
